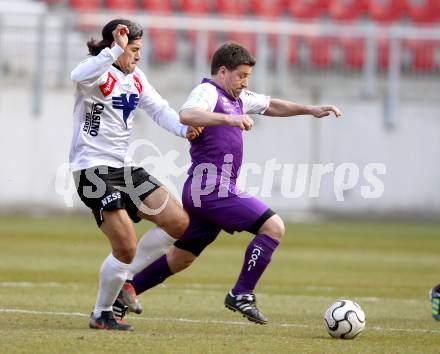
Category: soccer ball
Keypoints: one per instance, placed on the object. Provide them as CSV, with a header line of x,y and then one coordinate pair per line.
x,y
344,319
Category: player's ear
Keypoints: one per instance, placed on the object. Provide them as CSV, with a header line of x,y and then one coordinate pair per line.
x,y
222,71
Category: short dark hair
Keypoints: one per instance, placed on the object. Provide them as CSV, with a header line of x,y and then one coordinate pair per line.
x,y
231,55
135,32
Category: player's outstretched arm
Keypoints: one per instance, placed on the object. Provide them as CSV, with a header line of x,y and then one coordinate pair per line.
x,y
198,117
283,108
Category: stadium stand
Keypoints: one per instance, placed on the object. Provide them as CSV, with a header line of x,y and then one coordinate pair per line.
x,y
124,5
346,10
231,7
292,51
163,41
383,50
422,54
199,8
423,11
385,11
352,52
320,51
214,40
317,52
269,9
306,9
85,5
245,39
163,44
194,6
163,6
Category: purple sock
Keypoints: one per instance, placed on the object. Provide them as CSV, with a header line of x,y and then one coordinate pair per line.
x,y
256,259
151,276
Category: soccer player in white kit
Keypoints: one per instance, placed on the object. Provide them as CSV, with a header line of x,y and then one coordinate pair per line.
x,y
109,87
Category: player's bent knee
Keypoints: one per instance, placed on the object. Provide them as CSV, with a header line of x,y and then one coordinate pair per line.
x,y
176,225
179,259
273,227
125,254
181,223
181,264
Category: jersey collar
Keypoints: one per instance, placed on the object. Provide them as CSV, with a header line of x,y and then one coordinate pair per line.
x,y
206,80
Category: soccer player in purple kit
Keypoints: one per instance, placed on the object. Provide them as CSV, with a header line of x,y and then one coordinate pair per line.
x,y
221,106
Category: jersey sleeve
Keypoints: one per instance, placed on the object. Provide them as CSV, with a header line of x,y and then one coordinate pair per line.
x,y
91,72
203,96
158,108
254,103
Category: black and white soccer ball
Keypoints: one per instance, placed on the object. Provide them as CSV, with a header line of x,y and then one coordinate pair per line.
x,y
344,319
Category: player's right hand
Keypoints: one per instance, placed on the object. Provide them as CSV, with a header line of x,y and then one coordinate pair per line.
x,y
193,132
244,122
120,34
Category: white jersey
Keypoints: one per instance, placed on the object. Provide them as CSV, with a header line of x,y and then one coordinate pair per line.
x,y
105,100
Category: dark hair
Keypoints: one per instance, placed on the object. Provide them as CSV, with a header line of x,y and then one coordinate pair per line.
x,y
135,32
231,55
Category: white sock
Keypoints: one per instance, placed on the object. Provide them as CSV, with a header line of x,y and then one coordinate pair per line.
x,y
111,278
155,243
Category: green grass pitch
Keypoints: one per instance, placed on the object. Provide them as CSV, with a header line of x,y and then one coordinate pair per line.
x,y
49,271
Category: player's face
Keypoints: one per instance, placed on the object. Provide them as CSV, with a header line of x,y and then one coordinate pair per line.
x,y
237,80
131,56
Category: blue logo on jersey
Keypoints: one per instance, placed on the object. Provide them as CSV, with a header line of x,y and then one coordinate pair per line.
x,y
127,105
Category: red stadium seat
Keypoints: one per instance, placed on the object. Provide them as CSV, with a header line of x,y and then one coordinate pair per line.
x,y
231,7
163,44
194,6
272,8
423,11
383,53
306,9
199,8
164,6
321,51
422,54
162,41
247,40
292,51
385,11
213,42
346,10
127,5
85,5
353,53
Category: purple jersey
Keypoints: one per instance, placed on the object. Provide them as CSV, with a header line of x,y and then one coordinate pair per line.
x,y
209,208
220,144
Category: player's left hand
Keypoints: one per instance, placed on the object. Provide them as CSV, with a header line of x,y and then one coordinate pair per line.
x,y
324,111
193,132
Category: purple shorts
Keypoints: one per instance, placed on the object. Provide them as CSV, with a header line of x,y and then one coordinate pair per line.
x,y
234,212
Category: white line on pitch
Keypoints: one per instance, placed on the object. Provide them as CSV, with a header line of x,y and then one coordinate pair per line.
x,y
28,284
187,320
195,287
